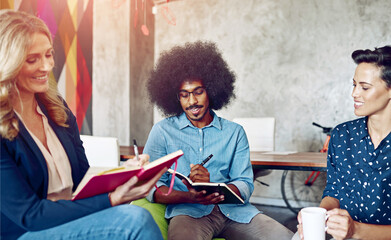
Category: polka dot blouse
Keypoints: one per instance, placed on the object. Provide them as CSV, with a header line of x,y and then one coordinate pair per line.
x,y
358,175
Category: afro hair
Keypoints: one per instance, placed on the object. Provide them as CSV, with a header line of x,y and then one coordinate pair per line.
x,y
193,61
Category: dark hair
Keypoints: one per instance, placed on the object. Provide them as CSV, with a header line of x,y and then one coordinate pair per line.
x,y
193,61
381,57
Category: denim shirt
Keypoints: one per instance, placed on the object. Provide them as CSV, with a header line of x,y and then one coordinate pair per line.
x,y
230,163
358,175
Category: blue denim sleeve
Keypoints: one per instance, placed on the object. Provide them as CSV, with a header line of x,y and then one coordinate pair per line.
x,y
155,148
241,171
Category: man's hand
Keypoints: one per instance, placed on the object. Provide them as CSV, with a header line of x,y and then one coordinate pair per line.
x,y
201,197
191,196
198,173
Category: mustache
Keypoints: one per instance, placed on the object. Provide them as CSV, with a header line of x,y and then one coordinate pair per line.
x,y
194,106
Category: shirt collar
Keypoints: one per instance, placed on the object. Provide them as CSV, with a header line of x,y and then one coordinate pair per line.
x,y
363,127
39,110
184,122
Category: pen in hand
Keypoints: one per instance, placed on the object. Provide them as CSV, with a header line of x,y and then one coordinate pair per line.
x,y
206,160
135,149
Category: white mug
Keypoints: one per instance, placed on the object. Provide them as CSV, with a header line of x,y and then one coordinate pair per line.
x,y
314,223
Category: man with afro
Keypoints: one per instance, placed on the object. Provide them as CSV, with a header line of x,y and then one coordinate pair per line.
x,y
187,84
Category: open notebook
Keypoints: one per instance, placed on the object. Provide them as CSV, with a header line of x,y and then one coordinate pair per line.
x,y
222,188
109,179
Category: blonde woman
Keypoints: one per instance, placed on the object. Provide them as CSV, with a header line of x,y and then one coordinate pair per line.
x,y
42,157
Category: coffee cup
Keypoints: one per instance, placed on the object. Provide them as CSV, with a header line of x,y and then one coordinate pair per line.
x,y
314,223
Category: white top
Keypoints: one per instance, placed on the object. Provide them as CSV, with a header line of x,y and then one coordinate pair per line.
x,y
59,168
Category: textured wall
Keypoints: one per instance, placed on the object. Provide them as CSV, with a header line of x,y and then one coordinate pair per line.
x,y
122,58
291,57
111,73
141,62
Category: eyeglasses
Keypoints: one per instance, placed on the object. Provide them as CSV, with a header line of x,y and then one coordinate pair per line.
x,y
185,95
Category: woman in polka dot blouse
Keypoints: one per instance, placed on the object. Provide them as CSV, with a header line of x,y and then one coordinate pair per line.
x,y
358,191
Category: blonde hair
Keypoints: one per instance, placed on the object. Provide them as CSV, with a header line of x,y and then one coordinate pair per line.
x,y
16,29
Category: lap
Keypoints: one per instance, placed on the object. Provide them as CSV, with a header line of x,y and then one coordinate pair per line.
x,y
121,222
186,227
217,225
260,227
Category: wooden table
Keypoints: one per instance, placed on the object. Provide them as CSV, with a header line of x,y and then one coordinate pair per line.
x,y
304,161
127,152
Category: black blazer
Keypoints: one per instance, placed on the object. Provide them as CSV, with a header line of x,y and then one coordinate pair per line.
x,y
24,183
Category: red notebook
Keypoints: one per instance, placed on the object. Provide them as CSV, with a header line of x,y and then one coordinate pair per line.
x,y
108,180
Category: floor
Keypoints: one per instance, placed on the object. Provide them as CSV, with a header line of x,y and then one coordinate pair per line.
x,y
283,215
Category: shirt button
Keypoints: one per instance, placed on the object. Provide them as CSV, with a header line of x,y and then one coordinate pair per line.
x,y
200,130
228,215
200,149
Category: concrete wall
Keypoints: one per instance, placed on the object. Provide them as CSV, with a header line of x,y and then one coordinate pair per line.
x,y
291,57
292,60
122,58
111,72
141,62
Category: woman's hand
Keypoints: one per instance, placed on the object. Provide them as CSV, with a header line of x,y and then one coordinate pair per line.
x,y
300,226
340,224
132,190
143,160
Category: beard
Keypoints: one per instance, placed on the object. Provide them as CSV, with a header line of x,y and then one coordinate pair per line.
x,y
196,117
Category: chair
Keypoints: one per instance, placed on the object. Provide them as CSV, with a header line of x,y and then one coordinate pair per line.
x,y
101,151
259,131
260,135
157,211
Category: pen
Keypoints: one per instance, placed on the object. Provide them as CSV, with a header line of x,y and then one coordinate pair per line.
x,y
206,160
135,148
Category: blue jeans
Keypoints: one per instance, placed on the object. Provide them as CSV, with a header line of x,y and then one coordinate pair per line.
x,y
120,222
